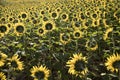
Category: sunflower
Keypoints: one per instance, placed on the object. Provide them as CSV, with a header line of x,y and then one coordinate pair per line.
x,y
87,12
76,24
105,36
40,72
64,38
117,14
113,62
19,29
54,15
77,65
58,9
95,22
85,24
41,31
91,45
24,15
15,63
2,76
94,15
49,25
104,14
10,19
2,59
82,16
64,16
105,22
42,12
4,29
77,34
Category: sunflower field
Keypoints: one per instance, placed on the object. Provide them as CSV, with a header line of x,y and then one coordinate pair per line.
x,y
59,39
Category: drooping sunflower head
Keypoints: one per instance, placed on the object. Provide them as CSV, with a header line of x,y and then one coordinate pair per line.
x,y
117,14
113,63
2,59
77,65
15,63
2,76
91,45
95,22
64,38
19,29
105,36
40,72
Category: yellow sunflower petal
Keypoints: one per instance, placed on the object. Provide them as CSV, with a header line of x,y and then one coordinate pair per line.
x,y
2,76
72,67
41,68
111,62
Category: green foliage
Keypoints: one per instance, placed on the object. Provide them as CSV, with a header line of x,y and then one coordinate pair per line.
x,y
98,23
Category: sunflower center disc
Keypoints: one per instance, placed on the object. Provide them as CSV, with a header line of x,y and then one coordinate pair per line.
x,y
77,24
41,31
3,29
77,34
20,29
54,15
64,16
48,26
92,44
24,15
40,75
116,64
79,65
65,37
14,64
94,15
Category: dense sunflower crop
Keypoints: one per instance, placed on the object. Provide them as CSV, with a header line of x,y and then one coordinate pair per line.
x,y
59,39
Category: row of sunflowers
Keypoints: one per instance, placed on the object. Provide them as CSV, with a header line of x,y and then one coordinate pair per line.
x,y
60,40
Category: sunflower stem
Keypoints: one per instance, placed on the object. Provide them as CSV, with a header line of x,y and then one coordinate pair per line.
x,y
85,77
119,73
8,75
113,42
76,45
